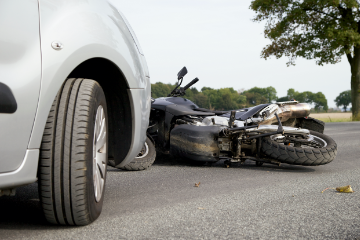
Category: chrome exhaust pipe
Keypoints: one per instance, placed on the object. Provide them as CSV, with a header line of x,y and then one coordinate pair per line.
x,y
295,111
286,112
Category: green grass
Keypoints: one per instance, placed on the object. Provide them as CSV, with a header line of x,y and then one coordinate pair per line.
x,y
335,119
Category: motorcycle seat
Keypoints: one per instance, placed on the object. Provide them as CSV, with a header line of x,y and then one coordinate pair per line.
x,y
241,114
245,113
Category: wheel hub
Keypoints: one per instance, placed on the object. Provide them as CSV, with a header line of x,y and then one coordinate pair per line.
x,y
144,151
99,153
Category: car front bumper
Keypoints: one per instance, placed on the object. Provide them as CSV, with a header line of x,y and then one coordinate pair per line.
x,y
25,174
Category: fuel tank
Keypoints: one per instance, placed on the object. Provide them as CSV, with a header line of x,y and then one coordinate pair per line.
x,y
196,143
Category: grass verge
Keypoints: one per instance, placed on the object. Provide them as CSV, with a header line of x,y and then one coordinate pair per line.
x,y
335,119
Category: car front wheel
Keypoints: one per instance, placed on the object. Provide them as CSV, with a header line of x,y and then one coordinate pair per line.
x,y
73,154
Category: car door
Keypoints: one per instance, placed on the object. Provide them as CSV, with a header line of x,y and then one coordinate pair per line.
x,y
20,75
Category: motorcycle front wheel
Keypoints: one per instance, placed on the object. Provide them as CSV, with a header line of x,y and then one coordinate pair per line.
x,y
318,149
144,159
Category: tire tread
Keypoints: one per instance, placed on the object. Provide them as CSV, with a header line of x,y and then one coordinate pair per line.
x,y
140,164
62,163
300,156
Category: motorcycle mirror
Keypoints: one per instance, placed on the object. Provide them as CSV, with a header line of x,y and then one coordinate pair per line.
x,y
182,73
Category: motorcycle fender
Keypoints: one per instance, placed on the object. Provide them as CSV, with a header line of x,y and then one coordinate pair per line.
x,y
198,143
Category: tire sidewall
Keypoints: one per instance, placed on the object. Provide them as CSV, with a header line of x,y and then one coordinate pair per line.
x,y
277,151
329,141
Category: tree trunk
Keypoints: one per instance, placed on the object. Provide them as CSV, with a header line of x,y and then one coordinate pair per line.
x,y
355,84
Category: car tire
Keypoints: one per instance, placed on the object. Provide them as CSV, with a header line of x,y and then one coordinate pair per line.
x,y
73,154
144,160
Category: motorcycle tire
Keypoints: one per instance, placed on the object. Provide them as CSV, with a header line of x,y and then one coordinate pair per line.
x,y
145,158
308,156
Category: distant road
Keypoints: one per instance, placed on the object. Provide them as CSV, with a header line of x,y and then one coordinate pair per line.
x,y
240,202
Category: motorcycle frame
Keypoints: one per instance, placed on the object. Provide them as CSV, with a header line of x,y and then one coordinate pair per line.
x,y
162,122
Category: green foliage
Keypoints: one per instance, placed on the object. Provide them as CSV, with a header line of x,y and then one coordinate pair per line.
x,y
219,99
229,99
223,98
201,100
344,99
160,89
268,93
314,29
298,96
283,99
318,99
254,98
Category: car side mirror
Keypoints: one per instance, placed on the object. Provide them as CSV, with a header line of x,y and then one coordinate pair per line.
x,y
182,73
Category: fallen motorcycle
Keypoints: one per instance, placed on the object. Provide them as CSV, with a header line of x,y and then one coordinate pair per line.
x,y
272,133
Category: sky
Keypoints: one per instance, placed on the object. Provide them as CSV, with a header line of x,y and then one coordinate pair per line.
x,y
219,43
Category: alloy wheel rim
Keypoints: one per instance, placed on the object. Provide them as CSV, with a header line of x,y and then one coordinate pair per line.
x,y
312,141
99,153
144,151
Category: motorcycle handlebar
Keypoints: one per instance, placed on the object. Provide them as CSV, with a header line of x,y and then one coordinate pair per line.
x,y
191,83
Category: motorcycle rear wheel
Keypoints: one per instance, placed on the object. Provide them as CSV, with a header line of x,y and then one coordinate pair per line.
x,y
324,152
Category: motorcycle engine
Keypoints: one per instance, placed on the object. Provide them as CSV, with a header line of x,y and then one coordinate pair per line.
x,y
220,121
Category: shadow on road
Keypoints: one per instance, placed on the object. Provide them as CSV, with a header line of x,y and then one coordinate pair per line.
x,y
169,160
23,211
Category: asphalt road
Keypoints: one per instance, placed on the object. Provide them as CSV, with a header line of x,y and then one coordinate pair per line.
x,y
241,202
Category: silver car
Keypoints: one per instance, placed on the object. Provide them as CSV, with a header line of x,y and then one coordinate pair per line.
x,y
74,91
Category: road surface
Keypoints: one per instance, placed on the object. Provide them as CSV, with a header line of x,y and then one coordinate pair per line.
x,y
241,202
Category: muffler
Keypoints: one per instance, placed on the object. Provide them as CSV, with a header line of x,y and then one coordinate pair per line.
x,y
285,112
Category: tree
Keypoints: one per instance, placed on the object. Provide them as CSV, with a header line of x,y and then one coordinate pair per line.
x,y
160,89
254,98
224,98
323,30
201,100
318,99
344,99
283,99
269,93
301,97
